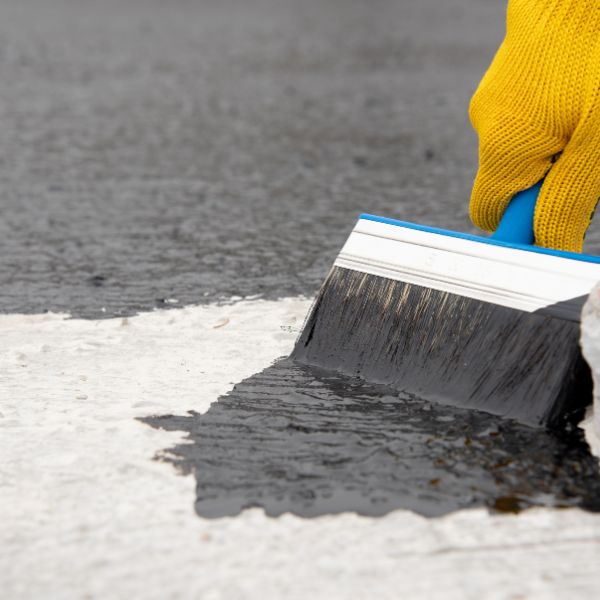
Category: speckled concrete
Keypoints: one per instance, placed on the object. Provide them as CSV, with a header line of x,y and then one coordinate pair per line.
x,y
590,345
87,513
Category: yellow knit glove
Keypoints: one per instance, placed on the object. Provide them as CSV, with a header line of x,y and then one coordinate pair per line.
x,y
541,98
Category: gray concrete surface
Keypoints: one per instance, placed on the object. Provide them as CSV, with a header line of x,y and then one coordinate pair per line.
x,y
198,150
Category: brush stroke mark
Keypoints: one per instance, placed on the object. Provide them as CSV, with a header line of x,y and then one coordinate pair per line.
x,y
299,439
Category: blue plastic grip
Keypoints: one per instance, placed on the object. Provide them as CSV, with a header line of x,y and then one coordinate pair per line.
x,y
516,226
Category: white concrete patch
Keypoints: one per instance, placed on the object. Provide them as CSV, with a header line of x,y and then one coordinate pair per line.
x,y
87,513
590,428
590,344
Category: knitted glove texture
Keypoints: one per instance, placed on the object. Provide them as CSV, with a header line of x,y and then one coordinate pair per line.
x,y
538,106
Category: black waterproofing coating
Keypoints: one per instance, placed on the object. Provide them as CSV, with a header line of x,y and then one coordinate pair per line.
x,y
299,439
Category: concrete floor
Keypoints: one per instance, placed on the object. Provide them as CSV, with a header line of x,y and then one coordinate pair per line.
x,y
87,513
160,154
198,150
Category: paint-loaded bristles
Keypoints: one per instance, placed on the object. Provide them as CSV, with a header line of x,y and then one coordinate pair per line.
x,y
448,348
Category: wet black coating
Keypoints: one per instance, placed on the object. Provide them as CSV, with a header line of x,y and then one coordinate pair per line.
x,y
450,348
198,150
302,440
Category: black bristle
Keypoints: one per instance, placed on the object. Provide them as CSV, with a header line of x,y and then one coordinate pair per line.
x,y
448,348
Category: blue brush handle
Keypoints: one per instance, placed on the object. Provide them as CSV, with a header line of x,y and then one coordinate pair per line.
x,y
516,226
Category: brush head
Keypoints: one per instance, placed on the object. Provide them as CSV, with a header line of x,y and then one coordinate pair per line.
x,y
463,320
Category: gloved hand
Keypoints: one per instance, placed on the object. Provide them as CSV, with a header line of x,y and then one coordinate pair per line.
x,y
539,102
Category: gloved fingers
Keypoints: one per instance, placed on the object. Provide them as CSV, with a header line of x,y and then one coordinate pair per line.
x,y
569,195
512,158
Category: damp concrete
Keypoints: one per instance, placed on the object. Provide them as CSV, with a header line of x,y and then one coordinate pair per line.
x,y
156,154
297,439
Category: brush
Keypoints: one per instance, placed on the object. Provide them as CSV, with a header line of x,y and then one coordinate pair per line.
x,y
486,323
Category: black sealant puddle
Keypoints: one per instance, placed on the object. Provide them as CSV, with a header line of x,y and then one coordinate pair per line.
x,y
298,439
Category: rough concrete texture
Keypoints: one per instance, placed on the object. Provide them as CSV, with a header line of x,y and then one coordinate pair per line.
x,y
590,344
198,150
88,514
